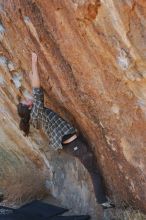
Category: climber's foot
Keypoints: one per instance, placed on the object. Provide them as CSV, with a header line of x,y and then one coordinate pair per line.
x,y
107,205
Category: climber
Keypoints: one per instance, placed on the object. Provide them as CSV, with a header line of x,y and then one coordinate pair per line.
x,y
61,134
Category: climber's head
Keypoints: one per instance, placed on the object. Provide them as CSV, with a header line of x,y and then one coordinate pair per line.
x,y
24,109
28,103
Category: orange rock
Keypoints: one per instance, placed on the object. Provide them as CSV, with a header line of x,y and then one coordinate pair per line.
x,y
92,62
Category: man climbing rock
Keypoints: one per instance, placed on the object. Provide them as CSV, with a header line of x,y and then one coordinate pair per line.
x,y
61,134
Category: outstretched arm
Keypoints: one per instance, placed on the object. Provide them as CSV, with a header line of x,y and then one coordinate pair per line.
x,y
37,92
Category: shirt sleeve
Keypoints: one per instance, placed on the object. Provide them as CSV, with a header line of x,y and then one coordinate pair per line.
x,y
38,103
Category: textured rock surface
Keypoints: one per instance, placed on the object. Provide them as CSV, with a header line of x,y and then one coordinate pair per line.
x,y
92,63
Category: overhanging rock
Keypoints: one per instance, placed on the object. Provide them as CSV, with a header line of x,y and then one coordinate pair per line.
x,y
92,62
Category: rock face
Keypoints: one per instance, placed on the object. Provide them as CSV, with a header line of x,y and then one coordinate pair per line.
x,y
92,62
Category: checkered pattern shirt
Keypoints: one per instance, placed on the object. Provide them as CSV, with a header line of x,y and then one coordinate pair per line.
x,y
54,126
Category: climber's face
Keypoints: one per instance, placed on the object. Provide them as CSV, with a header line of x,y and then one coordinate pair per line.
x,y
27,102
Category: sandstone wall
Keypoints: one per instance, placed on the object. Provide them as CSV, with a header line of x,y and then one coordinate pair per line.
x,y
92,57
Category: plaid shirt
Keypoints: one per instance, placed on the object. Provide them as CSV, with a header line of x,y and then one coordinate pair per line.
x,y
54,126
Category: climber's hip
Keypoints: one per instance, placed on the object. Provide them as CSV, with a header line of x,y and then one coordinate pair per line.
x,y
81,150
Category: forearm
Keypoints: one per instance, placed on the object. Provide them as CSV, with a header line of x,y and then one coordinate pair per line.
x,y
35,76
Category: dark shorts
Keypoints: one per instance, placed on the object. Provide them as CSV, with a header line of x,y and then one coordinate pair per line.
x,y
81,150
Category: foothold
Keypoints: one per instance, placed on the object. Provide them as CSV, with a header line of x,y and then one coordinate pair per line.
x,y
132,186
123,60
120,167
3,62
101,124
7,64
143,73
2,31
110,142
11,66
134,76
142,104
115,109
2,81
17,80
26,19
